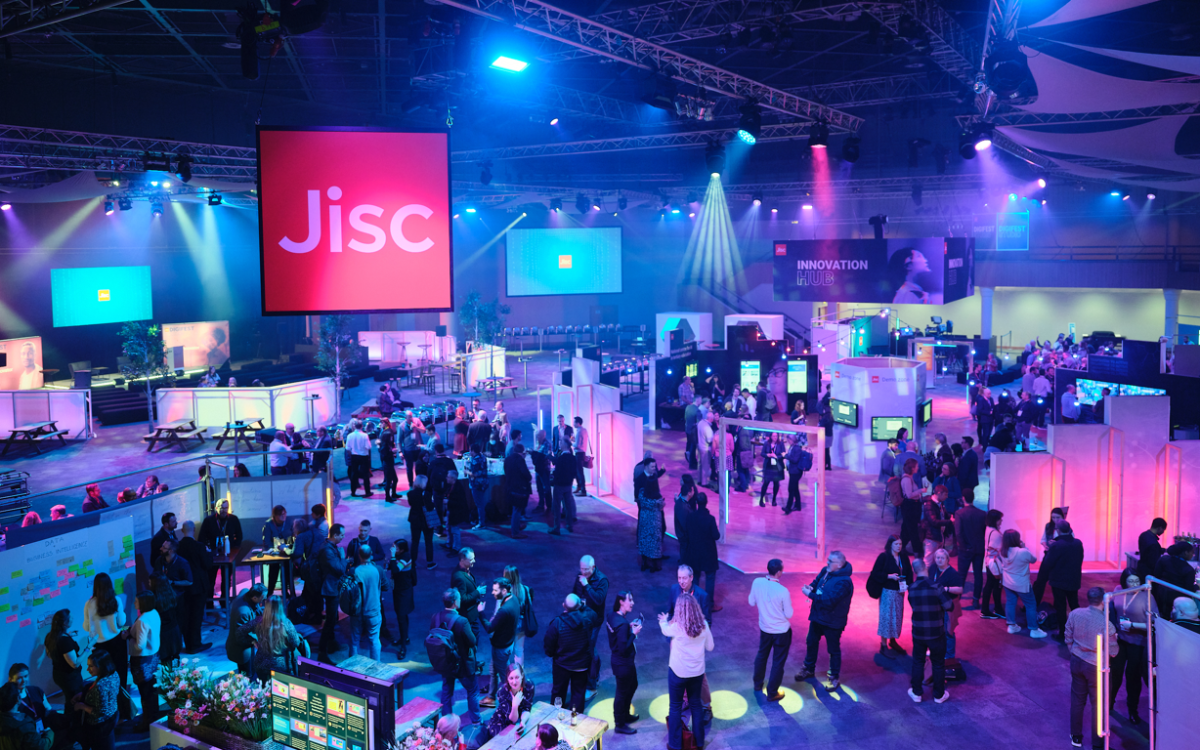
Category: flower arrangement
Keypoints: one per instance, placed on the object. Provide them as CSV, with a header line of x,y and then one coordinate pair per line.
x,y
231,703
425,738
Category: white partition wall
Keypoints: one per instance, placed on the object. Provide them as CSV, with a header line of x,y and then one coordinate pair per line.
x,y
484,362
276,406
1024,487
70,409
664,323
880,387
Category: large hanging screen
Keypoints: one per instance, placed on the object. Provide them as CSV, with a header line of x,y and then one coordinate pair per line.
x,y
563,261
108,294
354,221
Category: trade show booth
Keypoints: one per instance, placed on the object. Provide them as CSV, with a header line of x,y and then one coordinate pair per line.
x,y
697,327
872,399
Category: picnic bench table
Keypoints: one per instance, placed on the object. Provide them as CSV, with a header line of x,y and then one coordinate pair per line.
x,y
175,433
497,385
371,407
34,434
587,733
236,431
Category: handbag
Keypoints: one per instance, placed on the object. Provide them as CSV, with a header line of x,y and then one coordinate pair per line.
x,y
588,461
528,616
432,520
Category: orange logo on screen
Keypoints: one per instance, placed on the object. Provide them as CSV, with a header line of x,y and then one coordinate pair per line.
x,y
102,295
564,261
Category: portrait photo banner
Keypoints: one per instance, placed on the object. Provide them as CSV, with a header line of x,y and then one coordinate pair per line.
x,y
354,221
912,271
203,343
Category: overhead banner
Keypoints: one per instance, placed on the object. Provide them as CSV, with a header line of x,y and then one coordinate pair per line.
x,y
921,271
21,364
1003,232
202,344
354,221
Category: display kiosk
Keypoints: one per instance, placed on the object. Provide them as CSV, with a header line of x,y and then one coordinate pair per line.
x,y
872,398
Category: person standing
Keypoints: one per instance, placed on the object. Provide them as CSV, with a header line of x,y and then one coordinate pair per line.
x,y
278,454
583,446
517,480
831,592
461,665
422,518
685,585
910,507
592,589
890,578
246,608
403,571
946,578
1174,568
691,424
970,524
1084,629
366,623
568,644
408,440
650,519
478,483
982,408
103,619
1129,663
1014,569
993,540
774,605
798,459
702,548
276,533
197,595
690,639
1150,548
144,639
502,628
540,455
165,532
387,458
772,468
331,566
100,703
1069,406
968,470
358,453
622,642
683,508
706,449
1063,569
929,607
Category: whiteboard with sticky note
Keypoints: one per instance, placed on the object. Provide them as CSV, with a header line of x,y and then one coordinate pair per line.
x,y
40,578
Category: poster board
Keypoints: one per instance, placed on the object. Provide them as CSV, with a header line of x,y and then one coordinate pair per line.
x,y
39,579
306,715
204,343
21,364
187,503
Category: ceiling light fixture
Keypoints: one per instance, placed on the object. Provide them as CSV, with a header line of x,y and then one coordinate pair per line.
x,y
818,134
750,124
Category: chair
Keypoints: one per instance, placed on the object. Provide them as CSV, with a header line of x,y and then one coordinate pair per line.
x,y
85,365
428,379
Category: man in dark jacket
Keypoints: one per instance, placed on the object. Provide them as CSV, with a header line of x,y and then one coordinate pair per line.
x,y
165,532
969,528
929,607
304,555
686,585
968,469
563,503
480,431
1063,570
591,586
702,534
691,422
984,417
518,480
215,530
246,608
1150,548
568,642
331,566
831,592
469,591
683,509
622,642
16,727
540,455
439,466
1173,568
199,593
502,627
464,642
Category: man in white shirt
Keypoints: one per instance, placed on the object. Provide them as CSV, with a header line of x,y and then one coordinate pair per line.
x,y
1070,407
1041,386
358,450
775,631
704,448
278,454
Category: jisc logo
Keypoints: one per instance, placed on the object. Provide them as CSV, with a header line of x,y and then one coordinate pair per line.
x,y
358,223
874,378
102,295
781,249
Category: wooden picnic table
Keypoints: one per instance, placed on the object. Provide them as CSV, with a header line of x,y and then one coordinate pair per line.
x,y
367,409
174,433
236,431
585,735
34,433
497,385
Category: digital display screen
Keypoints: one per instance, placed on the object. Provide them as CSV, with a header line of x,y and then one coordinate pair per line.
x,y
308,716
1092,391
340,208
201,344
926,413
692,370
797,376
563,261
750,373
107,294
885,428
844,412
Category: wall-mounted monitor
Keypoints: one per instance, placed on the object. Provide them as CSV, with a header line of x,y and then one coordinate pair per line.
x,y
107,294
925,413
305,714
797,376
844,412
584,260
749,373
885,428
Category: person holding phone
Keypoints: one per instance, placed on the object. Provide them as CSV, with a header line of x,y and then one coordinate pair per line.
x,y
623,630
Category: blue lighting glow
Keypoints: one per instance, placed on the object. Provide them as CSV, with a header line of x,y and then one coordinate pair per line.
x,y
510,64
747,137
1115,193
470,210
1012,196
674,210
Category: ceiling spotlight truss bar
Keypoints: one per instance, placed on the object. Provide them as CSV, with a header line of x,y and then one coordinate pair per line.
x,y
604,41
21,17
1020,118
554,99
871,92
950,46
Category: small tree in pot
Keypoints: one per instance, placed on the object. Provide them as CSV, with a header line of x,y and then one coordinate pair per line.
x,y
142,345
336,352
482,321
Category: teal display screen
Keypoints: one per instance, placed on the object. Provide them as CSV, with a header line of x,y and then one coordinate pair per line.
x,y
107,294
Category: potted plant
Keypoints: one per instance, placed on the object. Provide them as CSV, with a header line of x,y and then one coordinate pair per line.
x,y
143,347
229,711
336,352
482,321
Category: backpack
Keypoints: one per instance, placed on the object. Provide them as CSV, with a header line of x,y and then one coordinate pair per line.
x,y
806,461
895,494
350,594
771,403
528,616
441,647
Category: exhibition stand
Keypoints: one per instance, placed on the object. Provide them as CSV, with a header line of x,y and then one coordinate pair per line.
x,y
276,406
697,327
70,410
874,397
770,325
407,346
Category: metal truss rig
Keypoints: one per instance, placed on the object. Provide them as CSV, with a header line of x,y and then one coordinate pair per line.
x,y
18,16
599,40
39,149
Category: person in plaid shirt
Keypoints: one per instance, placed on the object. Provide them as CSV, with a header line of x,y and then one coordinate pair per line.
x,y
929,605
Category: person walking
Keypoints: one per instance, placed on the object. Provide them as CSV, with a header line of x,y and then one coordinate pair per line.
x,y
993,540
970,524
591,586
623,631
890,578
684,505
331,566
1014,570
470,592
477,481
540,455
422,518
774,605
831,592
690,639
702,549
582,447
454,656
798,461
982,409
517,480
1084,629
568,644
929,607
1129,663
1063,570
401,567
650,504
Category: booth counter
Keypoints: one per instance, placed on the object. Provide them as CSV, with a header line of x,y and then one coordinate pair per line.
x,y
71,410
277,406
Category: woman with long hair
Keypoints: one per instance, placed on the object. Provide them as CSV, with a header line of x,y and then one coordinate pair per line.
x,y
989,608
690,638
447,728
31,519
144,639
902,438
949,480
276,637
1014,569
514,700
104,618
1049,534
98,704
772,472
522,594
67,654
650,518
1132,625
165,603
890,578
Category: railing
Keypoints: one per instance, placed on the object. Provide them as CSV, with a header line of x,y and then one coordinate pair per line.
x,y
798,334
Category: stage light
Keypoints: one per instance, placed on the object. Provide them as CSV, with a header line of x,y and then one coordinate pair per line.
x,y
1041,182
582,203
595,206
1007,69
757,198
124,204
966,145
807,207
1012,196
214,199
470,210
1043,201
108,208
456,216
154,183
714,157
707,370
556,204
485,172
510,64
166,184
554,121
116,183
1149,197
1115,193
1125,197
184,167
983,136
669,372
622,203
851,149
156,208
674,210
818,135
774,210
692,215
750,124
878,222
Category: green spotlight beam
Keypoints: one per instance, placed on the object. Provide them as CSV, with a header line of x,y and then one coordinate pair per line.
x,y
712,259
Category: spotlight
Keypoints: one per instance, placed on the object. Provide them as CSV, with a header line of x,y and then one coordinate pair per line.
x,y
1041,182
154,183
674,210
554,121
818,135
622,203
595,206
1149,197
851,149
1012,196
1115,193
757,198
471,210
214,199
156,207
917,195
714,157
1125,197
774,210
556,204
878,221
1007,69
807,207
511,64
966,146
485,172
166,184
1043,201
124,204
108,208
184,169
750,124
983,136
692,215
582,203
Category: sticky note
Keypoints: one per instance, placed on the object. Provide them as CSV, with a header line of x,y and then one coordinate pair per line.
x,y
18,574
10,619
54,593
72,568
25,623
87,563
4,591
38,602
119,585
130,563
44,592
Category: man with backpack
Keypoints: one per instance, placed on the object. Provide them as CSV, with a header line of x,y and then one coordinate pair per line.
x,y
451,649
330,567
